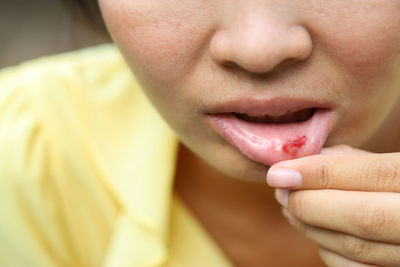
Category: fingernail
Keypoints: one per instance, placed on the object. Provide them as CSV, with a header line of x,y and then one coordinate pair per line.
x,y
289,216
286,178
282,196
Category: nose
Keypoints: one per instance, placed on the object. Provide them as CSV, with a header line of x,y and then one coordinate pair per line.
x,y
259,44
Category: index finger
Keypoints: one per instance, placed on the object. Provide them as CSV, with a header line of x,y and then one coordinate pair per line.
x,y
365,172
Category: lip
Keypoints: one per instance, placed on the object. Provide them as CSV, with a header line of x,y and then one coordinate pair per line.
x,y
259,107
269,143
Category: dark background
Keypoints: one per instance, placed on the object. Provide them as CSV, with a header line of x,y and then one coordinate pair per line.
x,y
33,28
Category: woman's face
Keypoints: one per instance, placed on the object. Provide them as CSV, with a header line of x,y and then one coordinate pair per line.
x,y
247,83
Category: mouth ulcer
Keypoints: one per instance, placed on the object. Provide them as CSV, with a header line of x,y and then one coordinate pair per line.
x,y
288,117
269,132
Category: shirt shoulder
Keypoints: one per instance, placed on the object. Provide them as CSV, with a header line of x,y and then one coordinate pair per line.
x,y
47,169
78,142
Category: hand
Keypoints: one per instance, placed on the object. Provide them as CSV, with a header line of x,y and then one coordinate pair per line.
x,y
346,200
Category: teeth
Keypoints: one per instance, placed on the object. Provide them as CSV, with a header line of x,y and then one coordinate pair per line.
x,y
285,117
275,115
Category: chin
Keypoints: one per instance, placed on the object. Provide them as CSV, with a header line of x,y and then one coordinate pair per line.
x,y
239,167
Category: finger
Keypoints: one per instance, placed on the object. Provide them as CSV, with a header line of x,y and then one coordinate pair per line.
x,y
334,260
367,215
351,247
357,172
343,150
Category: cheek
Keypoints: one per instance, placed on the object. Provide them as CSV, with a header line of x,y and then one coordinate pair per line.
x,y
363,38
159,39
362,48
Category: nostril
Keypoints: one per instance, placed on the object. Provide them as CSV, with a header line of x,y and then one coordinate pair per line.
x,y
220,49
261,46
230,64
288,61
301,45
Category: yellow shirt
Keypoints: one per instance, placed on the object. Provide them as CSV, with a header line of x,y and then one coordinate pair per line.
x,y
86,170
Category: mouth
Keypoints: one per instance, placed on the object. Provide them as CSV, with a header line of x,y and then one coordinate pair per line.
x,y
286,117
269,132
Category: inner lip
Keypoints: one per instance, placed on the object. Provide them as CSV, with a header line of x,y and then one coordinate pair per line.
x,y
287,117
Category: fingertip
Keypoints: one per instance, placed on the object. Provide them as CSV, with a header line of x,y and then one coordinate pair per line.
x,y
284,178
282,196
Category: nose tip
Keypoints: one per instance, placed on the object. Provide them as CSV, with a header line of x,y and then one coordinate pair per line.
x,y
261,49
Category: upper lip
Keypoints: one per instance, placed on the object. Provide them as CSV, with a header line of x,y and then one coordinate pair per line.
x,y
260,107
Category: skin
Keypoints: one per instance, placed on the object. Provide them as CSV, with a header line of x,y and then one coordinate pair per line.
x,y
190,55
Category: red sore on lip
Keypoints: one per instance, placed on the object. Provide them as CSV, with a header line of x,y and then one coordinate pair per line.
x,y
292,146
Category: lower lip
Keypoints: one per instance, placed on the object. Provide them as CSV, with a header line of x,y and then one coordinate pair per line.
x,y
269,143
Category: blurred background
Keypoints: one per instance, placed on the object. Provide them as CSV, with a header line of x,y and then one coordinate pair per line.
x,y
33,28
